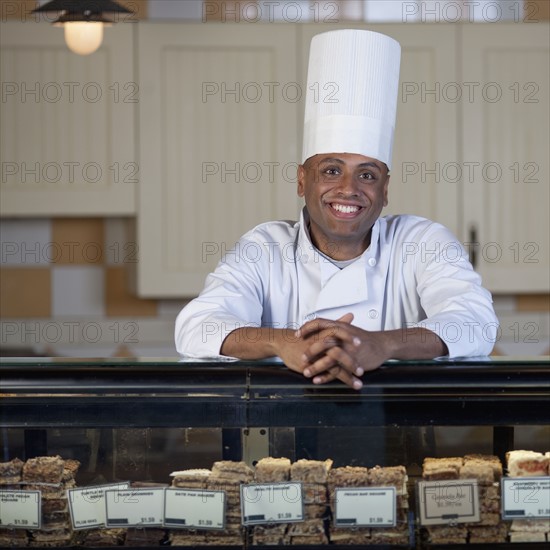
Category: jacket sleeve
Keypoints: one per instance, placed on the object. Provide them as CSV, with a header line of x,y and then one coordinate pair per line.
x,y
458,309
231,298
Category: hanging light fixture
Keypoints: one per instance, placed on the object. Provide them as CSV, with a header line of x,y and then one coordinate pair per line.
x,y
83,21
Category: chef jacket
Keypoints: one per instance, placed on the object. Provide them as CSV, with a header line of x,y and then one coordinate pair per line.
x,y
413,274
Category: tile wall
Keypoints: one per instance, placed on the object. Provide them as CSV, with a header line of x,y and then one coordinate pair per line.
x,y
64,291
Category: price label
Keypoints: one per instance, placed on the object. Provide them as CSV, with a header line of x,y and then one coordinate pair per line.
x,y
87,505
134,507
525,497
271,503
444,502
194,509
365,506
20,509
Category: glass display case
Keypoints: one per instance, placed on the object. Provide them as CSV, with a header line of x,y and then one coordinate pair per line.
x,y
140,422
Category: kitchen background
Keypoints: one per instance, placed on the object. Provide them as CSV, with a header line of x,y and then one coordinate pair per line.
x,y
96,265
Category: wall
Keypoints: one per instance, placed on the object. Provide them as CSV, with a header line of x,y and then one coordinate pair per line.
x,y
211,10
65,290
64,282
542,9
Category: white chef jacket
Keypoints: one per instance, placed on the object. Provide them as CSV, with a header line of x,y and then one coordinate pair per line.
x,y
414,274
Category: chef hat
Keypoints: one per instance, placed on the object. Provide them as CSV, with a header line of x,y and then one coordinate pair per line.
x,y
351,98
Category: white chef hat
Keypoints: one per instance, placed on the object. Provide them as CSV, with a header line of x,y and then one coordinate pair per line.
x,y
351,98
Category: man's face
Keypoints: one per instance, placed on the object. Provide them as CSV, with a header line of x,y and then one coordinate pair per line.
x,y
344,195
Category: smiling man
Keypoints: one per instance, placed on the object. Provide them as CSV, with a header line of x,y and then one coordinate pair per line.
x,y
343,290
344,194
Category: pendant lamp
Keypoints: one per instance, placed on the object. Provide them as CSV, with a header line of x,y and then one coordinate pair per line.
x,y
83,21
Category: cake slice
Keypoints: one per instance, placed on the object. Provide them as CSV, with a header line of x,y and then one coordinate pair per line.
x,y
527,463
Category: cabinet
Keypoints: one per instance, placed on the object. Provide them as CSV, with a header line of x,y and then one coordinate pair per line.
x,y
142,419
505,144
218,140
68,125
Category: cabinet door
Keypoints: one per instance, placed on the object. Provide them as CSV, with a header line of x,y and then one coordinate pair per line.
x,y
67,133
218,142
506,140
425,144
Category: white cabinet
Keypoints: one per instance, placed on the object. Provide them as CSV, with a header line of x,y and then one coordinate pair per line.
x,y
218,144
505,154
67,132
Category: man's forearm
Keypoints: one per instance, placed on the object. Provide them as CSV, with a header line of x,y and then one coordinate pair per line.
x,y
414,343
255,342
252,343
261,342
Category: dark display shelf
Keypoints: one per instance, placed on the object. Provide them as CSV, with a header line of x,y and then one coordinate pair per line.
x,y
168,393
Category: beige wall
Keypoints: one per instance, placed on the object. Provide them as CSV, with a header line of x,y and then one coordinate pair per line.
x,y
542,8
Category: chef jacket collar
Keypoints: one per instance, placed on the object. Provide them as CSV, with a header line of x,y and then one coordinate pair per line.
x,y
338,287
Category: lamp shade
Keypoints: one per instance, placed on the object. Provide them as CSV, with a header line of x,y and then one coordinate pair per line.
x,y
82,6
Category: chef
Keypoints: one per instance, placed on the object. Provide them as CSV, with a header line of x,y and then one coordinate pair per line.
x,y
343,290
